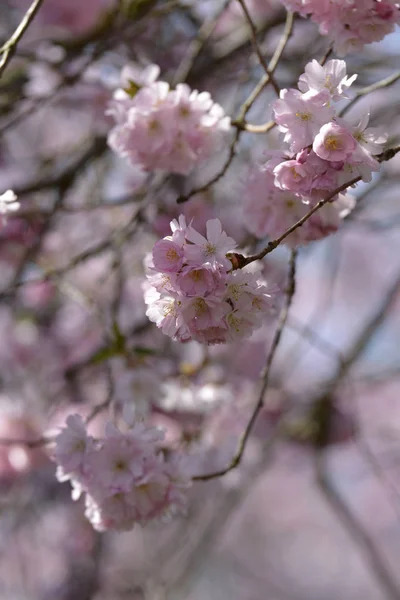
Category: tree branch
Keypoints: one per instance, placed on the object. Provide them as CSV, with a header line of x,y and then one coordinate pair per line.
x,y
9,48
265,376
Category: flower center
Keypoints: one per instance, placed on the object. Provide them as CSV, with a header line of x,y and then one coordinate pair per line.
x,y
304,116
234,322
154,126
331,143
169,309
172,255
120,465
200,307
210,249
196,275
235,291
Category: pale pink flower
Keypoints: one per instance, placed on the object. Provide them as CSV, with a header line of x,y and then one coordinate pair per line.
x,y
334,142
166,313
349,23
163,129
197,281
372,139
179,229
141,77
212,249
332,77
202,313
292,175
300,116
72,445
167,256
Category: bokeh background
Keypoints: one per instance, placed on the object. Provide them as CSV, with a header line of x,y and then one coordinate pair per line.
x,y
313,511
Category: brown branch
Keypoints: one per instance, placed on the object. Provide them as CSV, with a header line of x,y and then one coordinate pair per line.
x,y
265,376
43,441
241,261
196,46
239,122
378,85
257,49
9,48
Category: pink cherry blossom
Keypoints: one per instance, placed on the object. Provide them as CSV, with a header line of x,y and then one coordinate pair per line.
x,y
196,301
72,445
197,281
350,24
162,129
332,77
167,256
293,175
300,116
334,142
212,249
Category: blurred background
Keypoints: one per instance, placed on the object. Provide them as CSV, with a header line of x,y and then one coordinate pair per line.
x,y
313,510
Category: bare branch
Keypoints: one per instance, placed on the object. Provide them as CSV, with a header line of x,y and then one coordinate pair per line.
x,y
9,48
265,376
241,261
239,122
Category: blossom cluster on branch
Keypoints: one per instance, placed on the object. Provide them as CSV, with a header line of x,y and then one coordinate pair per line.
x,y
162,129
75,252
195,295
124,476
325,152
350,24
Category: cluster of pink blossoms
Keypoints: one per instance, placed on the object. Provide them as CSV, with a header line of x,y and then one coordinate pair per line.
x,y
195,295
159,128
325,152
350,24
124,477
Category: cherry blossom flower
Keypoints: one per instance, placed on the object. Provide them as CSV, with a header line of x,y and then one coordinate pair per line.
x,y
123,475
162,129
204,299
332,77
334,143
350,24
212,249
167,256
72,445
300,116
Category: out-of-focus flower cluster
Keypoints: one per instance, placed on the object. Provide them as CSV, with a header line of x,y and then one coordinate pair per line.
x,y
123,475
350,24
193,292
162,129
326,151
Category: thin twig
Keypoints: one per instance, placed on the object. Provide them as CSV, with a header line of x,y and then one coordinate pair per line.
x,y
378,85
241,261
265,376
257,48
9,48
43,441
196,45
239,122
